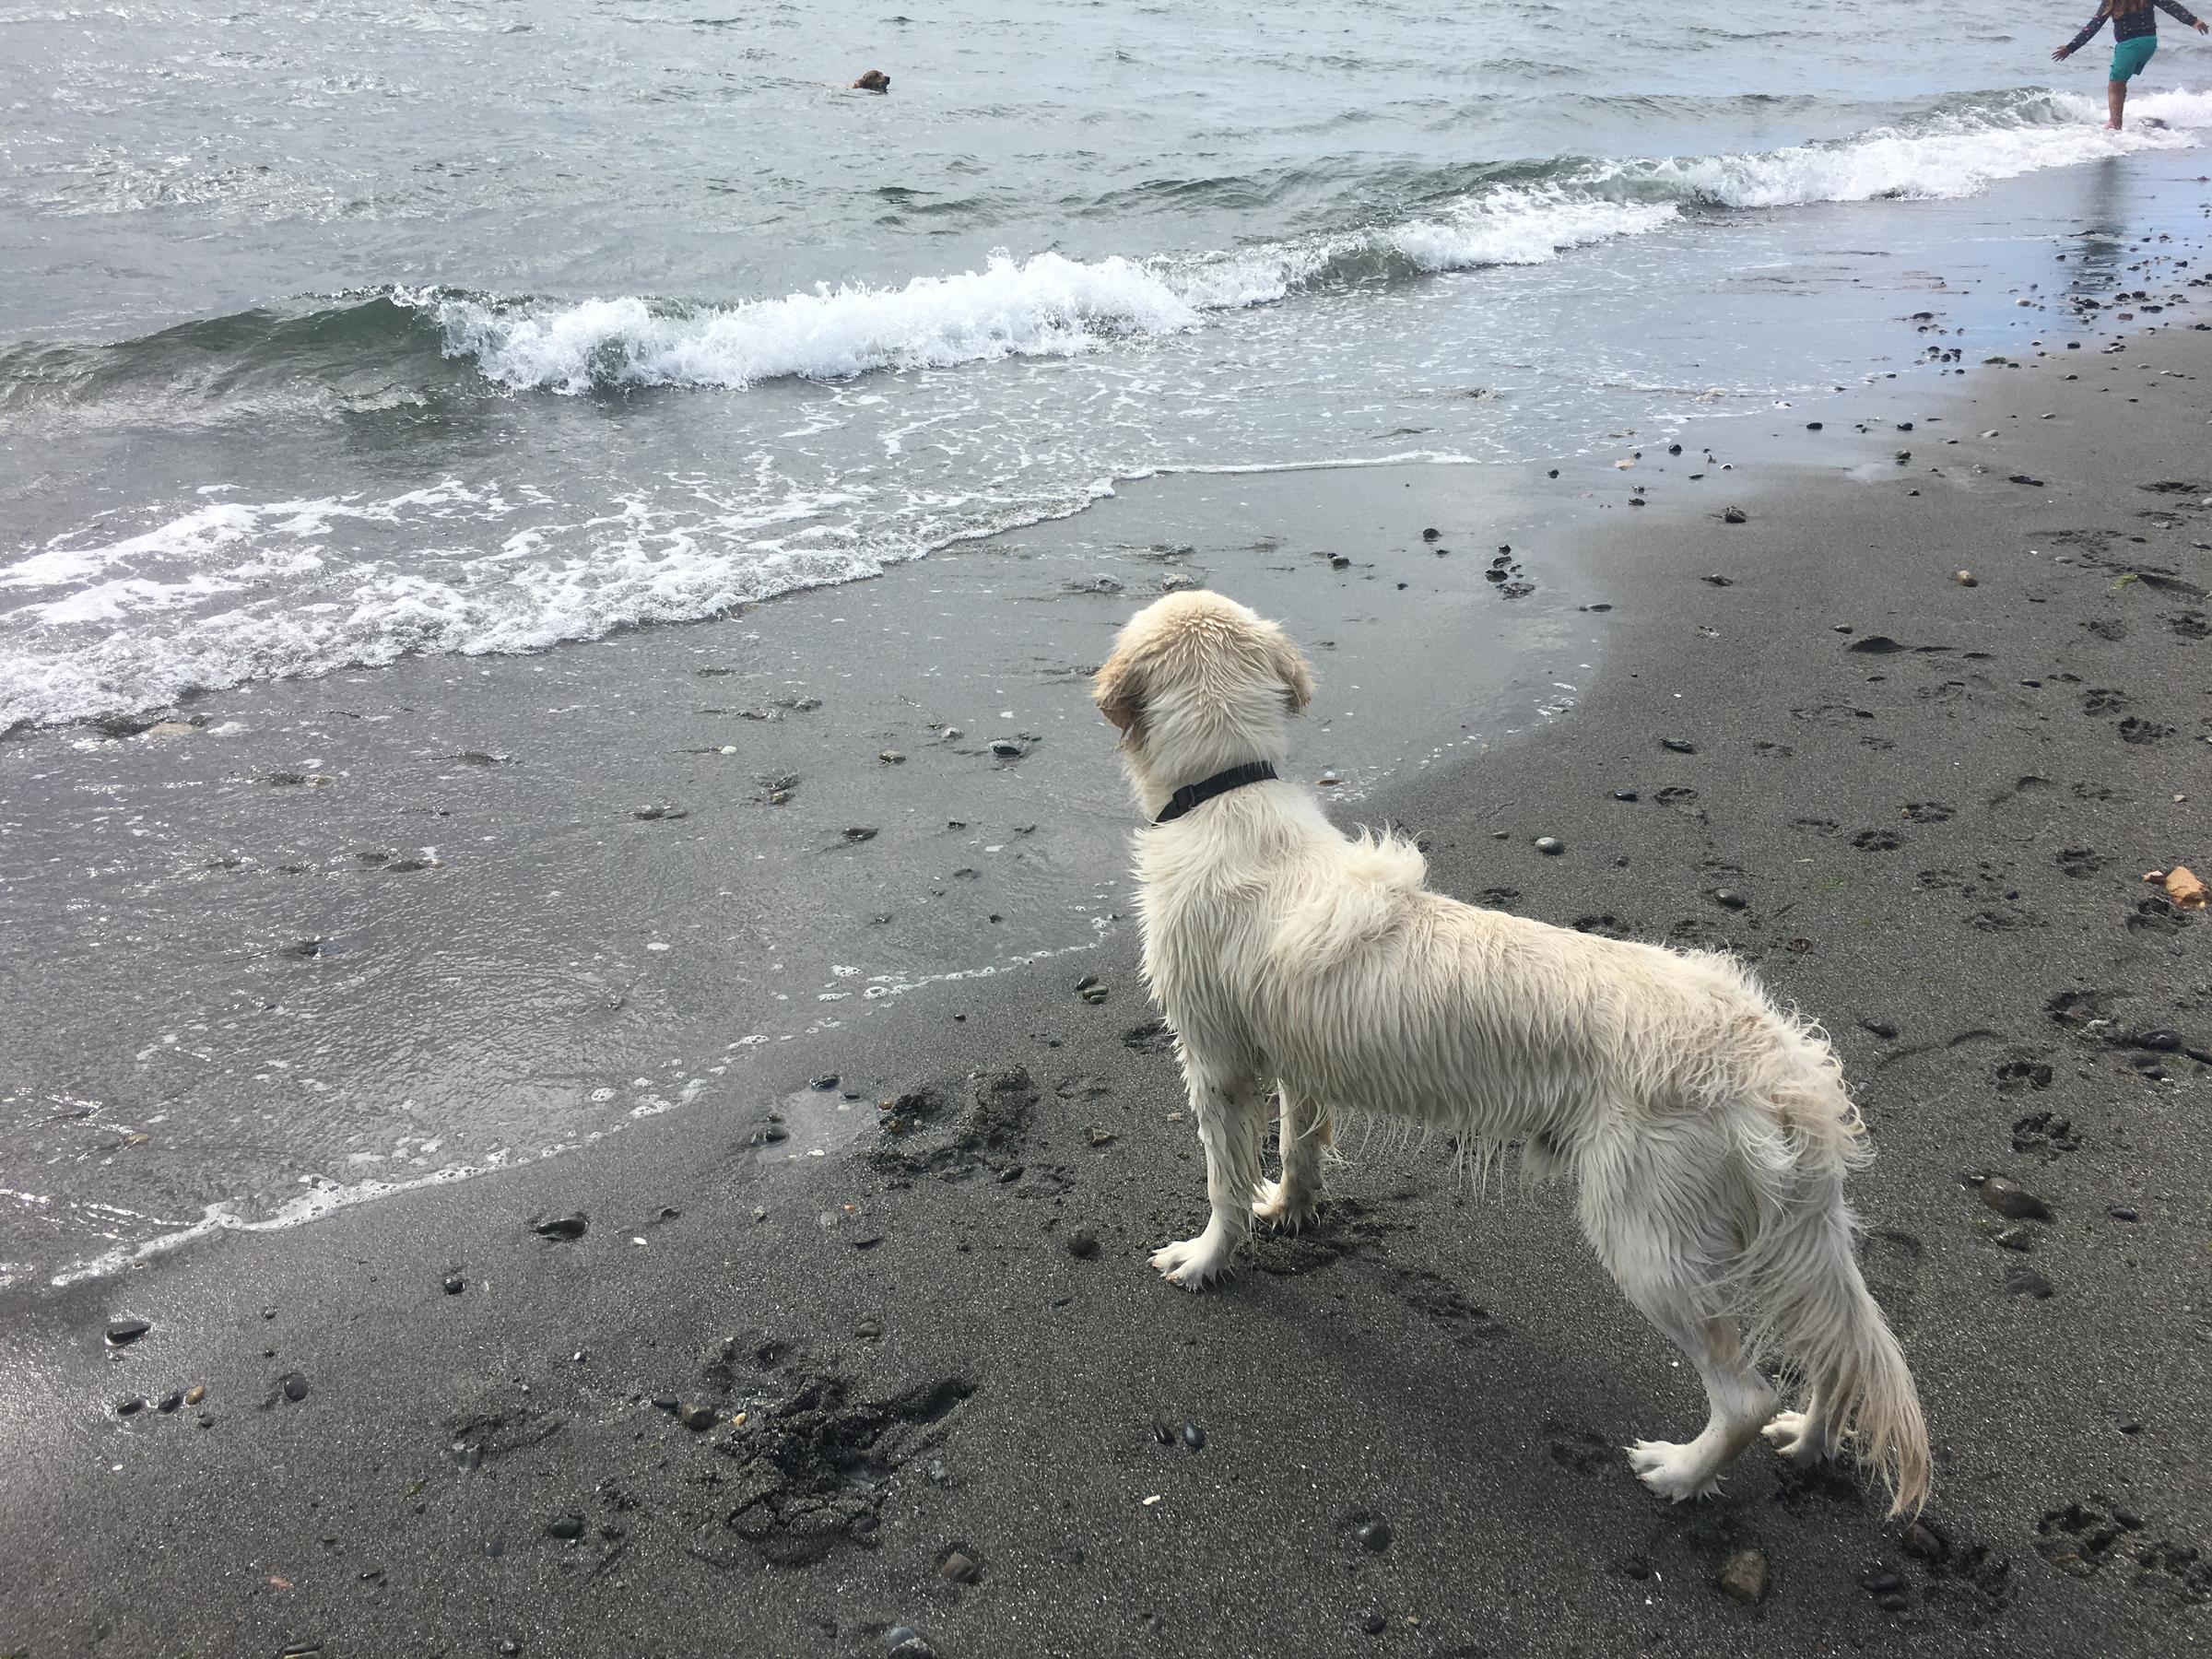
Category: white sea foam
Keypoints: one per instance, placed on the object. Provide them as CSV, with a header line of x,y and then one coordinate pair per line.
x,y
1048,306
1054,306
1944,157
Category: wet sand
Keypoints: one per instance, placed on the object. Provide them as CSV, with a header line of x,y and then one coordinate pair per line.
x,y
942,1392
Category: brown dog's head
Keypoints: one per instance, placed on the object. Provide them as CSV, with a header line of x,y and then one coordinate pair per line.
x,y
1198,684
874,80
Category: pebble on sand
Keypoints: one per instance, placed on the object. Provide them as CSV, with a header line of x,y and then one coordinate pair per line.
x,y
959,1569
1966,578
1375,1536
196,1393
903,1641
1082,1242
563,1227
1193,1436
1736,515
294,1386
1551,846
2013,1202
122,1332
1680,746
565,1527
1743,1577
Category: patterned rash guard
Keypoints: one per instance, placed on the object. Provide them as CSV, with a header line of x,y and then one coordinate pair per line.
x,y
2135,25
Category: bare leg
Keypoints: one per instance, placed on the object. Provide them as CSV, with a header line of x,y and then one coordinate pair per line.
x,y
2115,101
1229,1110
1294,1199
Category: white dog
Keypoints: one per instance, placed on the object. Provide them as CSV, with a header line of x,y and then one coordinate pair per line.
x,y
1710,1132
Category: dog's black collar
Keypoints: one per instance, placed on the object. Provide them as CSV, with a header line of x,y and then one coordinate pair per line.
x,y
1192,796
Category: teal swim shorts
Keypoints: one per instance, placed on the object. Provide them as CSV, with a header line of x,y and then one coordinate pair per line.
x,y
2129,56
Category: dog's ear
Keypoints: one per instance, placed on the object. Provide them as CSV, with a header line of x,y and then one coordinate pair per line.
x,y
1118,689
1298,679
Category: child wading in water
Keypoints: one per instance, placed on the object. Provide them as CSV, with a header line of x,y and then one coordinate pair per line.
x,y
2135,38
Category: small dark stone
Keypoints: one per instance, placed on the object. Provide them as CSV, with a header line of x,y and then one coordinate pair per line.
x,y
903,1641
1082,1242
1743,1577
1880,1027
1372,1622
861,833
2121,1212
1375,1536
696,1417
2024,1280
1812,425
294,1386
1337,561
171,1401
2157,1042
562,1227
454,1283
1729,898
1717,579
827,1080
1736,515
1880,1579
1432,534
1624,795
122,1332
1193,1436
567,1528
1163,1434
1553,472
2014,1202
1551,846
1680,746
132,1407
957,1568
1674,449
667,1402
2014,1238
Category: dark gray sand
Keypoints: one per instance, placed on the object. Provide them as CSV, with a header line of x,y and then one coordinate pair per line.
x,y
938,1387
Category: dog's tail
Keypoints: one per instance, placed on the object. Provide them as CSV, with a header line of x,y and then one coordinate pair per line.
x,y
1801,1283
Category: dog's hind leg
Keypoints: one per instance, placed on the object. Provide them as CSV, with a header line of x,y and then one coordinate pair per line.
x,y
1658,1258
1304,1130
1231,1114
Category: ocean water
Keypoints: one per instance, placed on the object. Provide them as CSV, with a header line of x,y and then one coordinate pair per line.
x,y
331,333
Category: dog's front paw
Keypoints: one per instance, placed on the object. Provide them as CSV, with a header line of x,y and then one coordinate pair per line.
x,y
1280,1207
1193,1263
1672,1471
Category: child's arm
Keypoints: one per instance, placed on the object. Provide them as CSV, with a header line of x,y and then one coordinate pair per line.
x,y
2182,14
2081,40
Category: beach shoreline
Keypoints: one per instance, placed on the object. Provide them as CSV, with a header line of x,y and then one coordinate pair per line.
x,y
1935,797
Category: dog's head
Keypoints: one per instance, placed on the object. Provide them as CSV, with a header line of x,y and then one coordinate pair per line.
x,y
1197,683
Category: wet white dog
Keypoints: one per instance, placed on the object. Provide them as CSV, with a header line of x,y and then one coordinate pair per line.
x,y
1709,1132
